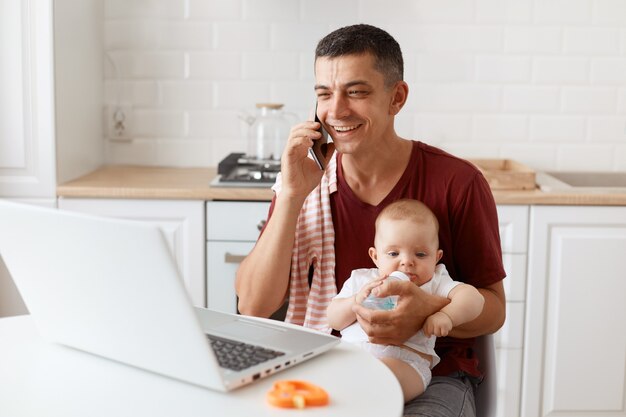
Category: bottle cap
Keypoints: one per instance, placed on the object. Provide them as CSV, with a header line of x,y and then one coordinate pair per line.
x,y
400,275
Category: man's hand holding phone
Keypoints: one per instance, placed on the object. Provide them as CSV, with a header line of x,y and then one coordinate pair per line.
x,y
321,151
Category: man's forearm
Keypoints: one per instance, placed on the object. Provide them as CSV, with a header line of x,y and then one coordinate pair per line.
x,y
263,277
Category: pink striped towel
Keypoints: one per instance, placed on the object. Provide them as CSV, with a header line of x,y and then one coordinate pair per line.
x,y
314,245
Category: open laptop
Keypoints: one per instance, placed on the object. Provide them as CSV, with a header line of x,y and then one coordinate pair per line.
x,y
110,287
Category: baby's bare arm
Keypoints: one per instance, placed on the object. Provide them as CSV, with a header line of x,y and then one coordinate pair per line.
x,y
466,303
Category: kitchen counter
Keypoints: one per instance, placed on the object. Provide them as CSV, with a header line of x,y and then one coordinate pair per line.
x,y
133,182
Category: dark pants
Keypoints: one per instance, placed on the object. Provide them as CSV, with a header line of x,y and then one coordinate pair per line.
x,y
446,396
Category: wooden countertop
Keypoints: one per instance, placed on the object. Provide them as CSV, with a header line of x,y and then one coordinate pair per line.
x,y
133,182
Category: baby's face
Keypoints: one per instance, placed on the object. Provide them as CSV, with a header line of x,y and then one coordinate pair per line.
x,y
403,245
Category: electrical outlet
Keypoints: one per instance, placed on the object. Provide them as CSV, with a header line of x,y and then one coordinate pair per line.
x,y
118,121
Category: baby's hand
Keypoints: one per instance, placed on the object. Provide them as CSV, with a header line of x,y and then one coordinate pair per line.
x,y
367,289
438,324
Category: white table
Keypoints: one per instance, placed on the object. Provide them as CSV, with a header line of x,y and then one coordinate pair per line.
x,y
43,379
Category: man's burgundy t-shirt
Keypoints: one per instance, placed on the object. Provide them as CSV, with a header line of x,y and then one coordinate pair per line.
x,y
461,199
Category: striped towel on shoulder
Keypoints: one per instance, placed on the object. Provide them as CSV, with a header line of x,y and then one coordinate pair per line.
x,y
314,245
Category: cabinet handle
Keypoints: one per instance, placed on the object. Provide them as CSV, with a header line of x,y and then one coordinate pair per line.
x,y
260,225
229,258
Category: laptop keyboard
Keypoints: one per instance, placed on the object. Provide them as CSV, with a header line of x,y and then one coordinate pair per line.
x,y
238,355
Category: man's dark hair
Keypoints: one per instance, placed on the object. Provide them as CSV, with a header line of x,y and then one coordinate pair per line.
x,y
361,39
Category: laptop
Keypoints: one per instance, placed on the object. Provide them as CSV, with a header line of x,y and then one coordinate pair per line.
x,y
110,287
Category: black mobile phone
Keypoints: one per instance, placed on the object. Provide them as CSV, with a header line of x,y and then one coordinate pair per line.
x,y
320,146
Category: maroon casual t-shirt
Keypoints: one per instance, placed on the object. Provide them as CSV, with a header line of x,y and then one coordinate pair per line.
x,y
461,199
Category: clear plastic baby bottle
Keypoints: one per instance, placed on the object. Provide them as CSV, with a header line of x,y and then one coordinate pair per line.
x,y
385,303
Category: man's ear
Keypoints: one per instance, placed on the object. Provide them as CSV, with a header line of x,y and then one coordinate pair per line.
x,y
373,254
398,98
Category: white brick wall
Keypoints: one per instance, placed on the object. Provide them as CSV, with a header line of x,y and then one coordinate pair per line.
x,y
541,81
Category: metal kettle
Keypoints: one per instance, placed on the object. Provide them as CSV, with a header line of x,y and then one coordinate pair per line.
x,y
268,131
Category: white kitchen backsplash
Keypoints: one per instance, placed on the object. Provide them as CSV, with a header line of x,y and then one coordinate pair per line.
x,y
540,81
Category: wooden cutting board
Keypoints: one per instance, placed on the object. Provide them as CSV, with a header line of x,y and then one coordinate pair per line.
x,y
506,174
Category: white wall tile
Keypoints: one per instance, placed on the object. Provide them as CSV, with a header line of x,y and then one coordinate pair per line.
x,y
498,11
445,67
589,100
115,9
584,158
446,38
556,128
538,156
183,152
531,99
295,95
621,105
143,65
131,34
241,36
443,128
185,35
137,93
148,123
328,10
609,12
215,9
591,41
424,11
184,95
271,10
560,70
215,65
619,163
503,69
137,151
297,36
530,39
500,128
467,97
270,66
607,129
230,95
529,79
471,150
608,70
205,124
562,11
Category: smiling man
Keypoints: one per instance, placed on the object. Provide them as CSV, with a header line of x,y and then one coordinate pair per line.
x,y
321,223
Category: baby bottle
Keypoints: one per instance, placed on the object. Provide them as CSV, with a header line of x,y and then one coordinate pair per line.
x,y
385,303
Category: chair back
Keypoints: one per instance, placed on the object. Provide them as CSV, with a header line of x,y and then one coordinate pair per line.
x,y
487,391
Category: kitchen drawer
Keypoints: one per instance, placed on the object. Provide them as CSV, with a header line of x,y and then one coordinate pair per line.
x,y
509,371
511,335
513,221
235,221
515,281
223,259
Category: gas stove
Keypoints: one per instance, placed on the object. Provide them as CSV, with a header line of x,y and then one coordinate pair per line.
x,y
238,170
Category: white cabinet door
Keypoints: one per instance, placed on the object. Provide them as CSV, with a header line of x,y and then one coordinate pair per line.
x,y
575,335
182,223
223,259
513,222
27,128
232,229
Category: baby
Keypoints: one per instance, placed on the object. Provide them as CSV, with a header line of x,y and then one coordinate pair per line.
x,y
406,240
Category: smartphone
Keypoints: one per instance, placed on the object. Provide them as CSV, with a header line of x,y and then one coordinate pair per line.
x,y
320,146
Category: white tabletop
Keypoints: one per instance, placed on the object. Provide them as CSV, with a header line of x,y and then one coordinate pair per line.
x,y
39,378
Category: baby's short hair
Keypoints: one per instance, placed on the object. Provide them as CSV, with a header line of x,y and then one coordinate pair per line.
x,y
408,209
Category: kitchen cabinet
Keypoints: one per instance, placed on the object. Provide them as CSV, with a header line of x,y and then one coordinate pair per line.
x,y
513,221
232,230
50,103
182,224
575,338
